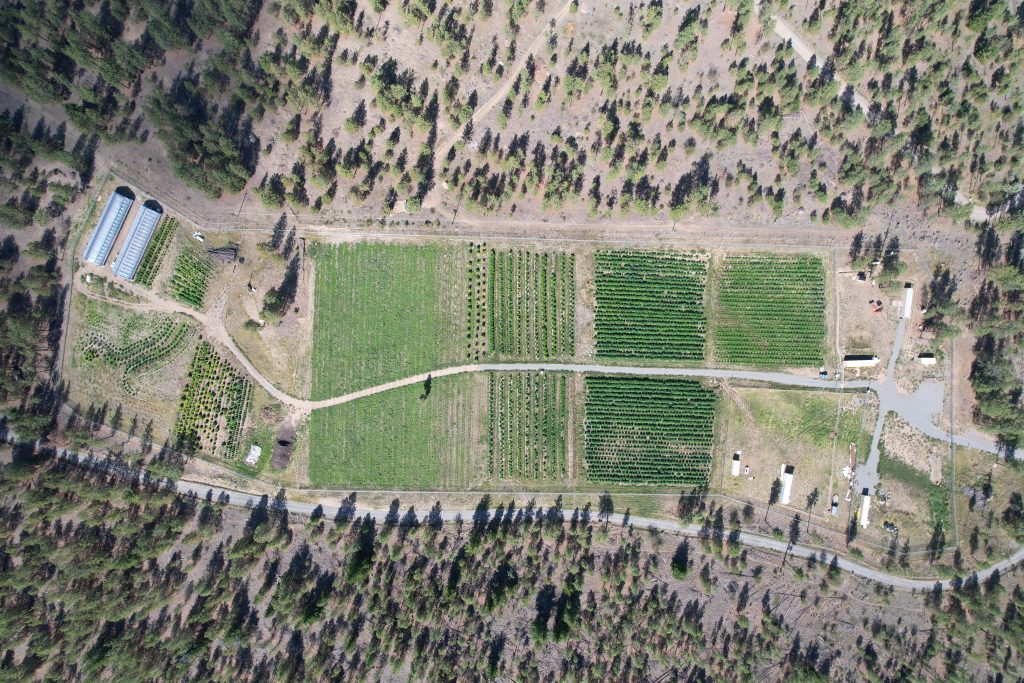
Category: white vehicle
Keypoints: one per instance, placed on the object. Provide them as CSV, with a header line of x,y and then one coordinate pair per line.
x,y
198,236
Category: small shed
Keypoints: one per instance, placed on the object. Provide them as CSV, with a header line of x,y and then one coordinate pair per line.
x,y
787,484
736,464
865,507
927,358
253,458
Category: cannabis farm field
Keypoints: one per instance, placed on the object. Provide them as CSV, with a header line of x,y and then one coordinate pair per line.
x,y
650,305
532,303
398,439
214,406
155,252
191,276
528,425
142,345
649,430
384,312
771,311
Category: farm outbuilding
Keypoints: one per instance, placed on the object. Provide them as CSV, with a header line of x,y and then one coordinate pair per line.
x,y
859,361
787,484
736,464
865,507
908,299
141,232
927,358
108,227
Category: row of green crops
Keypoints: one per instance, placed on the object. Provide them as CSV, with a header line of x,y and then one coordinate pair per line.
x,y
532,304
644,430
528,425
476,301
191,276
142,354
214,405
155,252
771,311
650,305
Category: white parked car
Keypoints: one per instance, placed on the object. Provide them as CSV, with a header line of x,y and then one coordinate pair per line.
x,y
198,236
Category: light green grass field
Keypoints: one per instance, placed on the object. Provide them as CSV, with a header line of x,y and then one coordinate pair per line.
x,y
398,440
384,312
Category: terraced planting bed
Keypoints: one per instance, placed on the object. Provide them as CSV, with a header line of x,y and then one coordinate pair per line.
x,y
398,439
191,276
771,311
528,425
155,252
214,406
385,311
531,304
650,305
137,351
646,430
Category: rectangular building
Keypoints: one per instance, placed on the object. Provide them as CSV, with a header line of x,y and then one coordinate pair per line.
x,y
787,484
107,229
143,227
908,299
859,361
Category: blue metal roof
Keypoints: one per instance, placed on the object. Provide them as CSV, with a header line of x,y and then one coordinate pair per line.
x,y
128,259
109,225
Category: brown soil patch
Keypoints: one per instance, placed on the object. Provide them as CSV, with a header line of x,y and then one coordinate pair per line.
x,y
283,444
904,443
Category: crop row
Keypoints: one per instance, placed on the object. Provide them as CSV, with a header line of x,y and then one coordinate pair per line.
x,y
146,353
476,303
214,405
531,304
771,311
528,425
191,276
649,430
650,305
154,256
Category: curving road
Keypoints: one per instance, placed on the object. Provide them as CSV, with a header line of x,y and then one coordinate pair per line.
x,y
241,499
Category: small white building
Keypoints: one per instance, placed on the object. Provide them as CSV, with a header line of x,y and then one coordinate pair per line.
x,y
254,455
859,361
787,484
927,358
908,299
736,464
865,507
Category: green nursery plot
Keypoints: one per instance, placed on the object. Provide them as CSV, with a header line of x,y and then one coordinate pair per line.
x,y
384,312
155,252
214,405
136,350
646,430
532,304
398,439
528,425
771,311
650,305
191,276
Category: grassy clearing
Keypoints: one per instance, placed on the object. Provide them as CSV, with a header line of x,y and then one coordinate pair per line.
x,y
891,469
771,311
650,305
398,440
384,312
528,425
649,430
